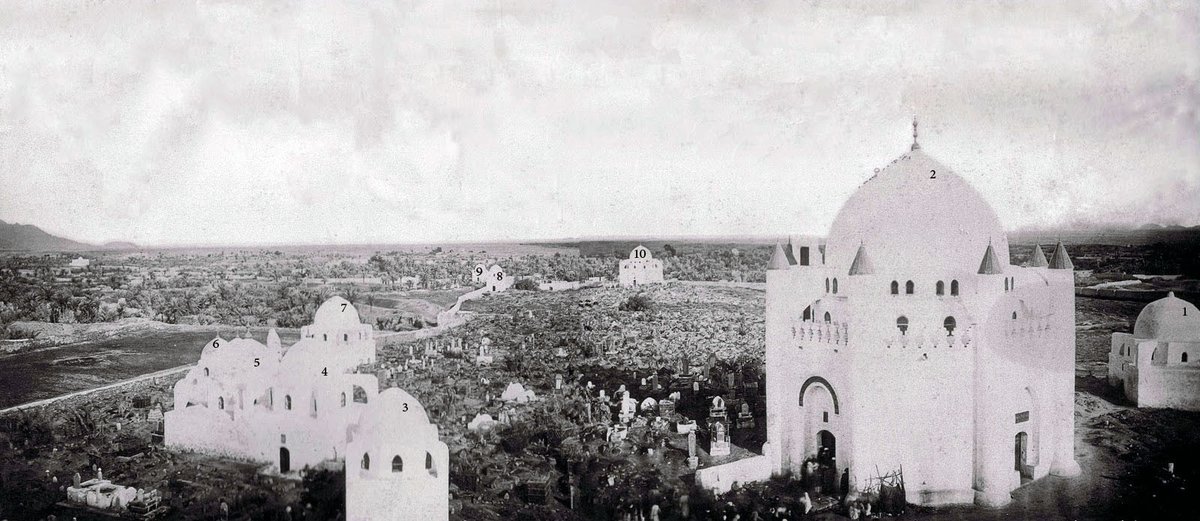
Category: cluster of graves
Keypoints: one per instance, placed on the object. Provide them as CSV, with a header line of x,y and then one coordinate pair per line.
x,y
691,404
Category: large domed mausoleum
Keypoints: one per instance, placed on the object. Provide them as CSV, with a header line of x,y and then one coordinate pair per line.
x,y
907,342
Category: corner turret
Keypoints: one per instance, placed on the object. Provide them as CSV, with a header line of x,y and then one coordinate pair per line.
x,y
779,259
990,264
1060,260
1039,258
862,263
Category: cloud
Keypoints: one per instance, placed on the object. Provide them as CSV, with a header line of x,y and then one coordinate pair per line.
x,y
268,122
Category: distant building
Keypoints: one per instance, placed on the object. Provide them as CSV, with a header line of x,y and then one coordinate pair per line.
x,y
79,263
497,280
1156,366
640,268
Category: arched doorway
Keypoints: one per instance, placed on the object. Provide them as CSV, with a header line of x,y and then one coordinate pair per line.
x,y
1020,456
826,448
285,460
827,461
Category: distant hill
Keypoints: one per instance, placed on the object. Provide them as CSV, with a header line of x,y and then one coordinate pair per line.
x,y
30,237
120,245
1148,234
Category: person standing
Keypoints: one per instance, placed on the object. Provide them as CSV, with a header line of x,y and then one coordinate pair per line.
x,y
845,483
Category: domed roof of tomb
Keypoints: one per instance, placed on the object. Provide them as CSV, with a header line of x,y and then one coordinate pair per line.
x,y
394,414
310,357
334,315
916,216
1168,319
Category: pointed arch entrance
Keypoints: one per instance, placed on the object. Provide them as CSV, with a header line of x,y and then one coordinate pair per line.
x,y
812,448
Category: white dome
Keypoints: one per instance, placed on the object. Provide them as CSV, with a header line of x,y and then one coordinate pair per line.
x,y
916,216
395,414
332,315
1168,319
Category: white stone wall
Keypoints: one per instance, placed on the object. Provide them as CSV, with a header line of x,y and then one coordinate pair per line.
x,y
942,407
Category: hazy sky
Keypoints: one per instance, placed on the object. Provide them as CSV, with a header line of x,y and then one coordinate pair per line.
x,y
307,122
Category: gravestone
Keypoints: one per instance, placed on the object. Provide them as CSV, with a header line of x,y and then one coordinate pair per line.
x,y
717,410
666,407
693,461
719,443
745,419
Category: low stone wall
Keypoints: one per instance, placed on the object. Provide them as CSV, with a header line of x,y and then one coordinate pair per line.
x,y
1133,295
720,479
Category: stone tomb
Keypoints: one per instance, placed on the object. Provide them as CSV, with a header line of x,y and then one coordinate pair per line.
x,y
718,439
745,418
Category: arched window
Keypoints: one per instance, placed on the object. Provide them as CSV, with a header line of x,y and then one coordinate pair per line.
x,y
895,288
941,288
343,399
360,394
908,288
287,402
954,288
324,337
366,461
397,464
205,371
345,337
808,313
949,325
429,464
1122,349
826,285
1183,358
828,318
221,401
1012,283
902,324
1014,315
1005,283
835,286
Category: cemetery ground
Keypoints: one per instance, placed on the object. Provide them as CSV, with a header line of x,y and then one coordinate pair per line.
x,y
542,456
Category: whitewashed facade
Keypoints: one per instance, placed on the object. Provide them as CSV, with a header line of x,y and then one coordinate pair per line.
x,y
908,341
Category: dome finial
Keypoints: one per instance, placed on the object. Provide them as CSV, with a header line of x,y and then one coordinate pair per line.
x,y
915,145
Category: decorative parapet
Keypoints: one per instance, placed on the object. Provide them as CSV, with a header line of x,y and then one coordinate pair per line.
x,y
808,331
932,338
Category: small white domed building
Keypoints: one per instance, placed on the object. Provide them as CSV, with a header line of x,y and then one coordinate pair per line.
x,y
1156,366
397,467
907,341
291,407
496,280
640,268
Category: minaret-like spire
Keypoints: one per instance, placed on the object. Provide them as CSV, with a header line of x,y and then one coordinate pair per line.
x,y
1059,260
862,263
915,146
1039,257
990,264
778,259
